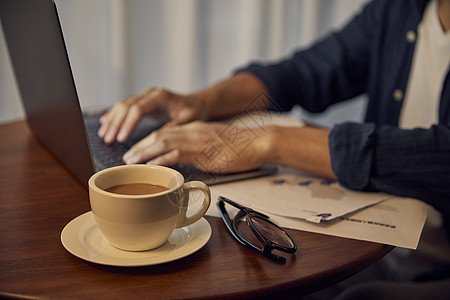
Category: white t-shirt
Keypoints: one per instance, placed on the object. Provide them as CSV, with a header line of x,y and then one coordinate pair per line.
x,y
431,62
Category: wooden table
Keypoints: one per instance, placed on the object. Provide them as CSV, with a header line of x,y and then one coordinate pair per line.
x,y
38,197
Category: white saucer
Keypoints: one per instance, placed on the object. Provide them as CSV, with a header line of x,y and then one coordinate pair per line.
x,y
82,238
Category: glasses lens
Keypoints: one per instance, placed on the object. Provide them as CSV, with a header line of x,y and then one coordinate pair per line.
x,y
272,232
247,233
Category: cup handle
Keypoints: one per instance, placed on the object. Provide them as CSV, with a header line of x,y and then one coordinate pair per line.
x,y
196,185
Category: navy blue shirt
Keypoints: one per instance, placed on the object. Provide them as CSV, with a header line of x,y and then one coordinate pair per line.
x,y
372,54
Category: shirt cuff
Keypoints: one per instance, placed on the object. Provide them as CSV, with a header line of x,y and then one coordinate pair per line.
x,y
351,151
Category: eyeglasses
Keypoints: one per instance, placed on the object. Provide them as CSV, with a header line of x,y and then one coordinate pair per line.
x,y
269,236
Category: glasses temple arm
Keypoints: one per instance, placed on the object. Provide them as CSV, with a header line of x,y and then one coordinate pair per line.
x,y
241,207
227,221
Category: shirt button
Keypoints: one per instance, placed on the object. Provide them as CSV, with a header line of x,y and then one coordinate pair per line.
x,y
398,95
411,36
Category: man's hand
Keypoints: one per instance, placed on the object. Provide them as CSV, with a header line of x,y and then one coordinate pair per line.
x,y
120,120
212,147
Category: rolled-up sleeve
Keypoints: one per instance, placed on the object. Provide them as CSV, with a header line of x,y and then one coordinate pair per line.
x,y
351,150
409,163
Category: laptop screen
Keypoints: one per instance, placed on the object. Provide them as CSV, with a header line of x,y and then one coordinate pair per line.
x,y
43,74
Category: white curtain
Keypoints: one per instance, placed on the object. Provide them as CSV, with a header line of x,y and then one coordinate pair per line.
x,y
118,48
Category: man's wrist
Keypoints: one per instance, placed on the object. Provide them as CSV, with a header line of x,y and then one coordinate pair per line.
x,y
267,145
203,101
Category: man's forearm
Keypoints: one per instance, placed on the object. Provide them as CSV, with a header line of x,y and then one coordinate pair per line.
x,y
234,95
302,148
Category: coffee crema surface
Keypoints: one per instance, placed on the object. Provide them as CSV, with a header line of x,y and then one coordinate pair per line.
x,y
136,189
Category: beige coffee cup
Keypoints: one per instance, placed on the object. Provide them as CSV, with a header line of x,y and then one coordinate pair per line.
x,y
146,221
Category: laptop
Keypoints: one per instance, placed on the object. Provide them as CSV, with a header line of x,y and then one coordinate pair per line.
x,y
43,74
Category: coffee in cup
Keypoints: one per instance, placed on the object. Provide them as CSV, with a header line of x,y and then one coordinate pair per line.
x,y
137,207
136,189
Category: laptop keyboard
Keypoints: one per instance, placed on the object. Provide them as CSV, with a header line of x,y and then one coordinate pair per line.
x,y
106,156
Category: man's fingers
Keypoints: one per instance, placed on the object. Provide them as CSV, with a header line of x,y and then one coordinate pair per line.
x,y
168,159
111,126
120,121
151,146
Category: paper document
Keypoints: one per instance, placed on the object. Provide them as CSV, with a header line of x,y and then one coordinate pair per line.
x,y
299,196
395,221
290,202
